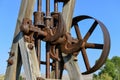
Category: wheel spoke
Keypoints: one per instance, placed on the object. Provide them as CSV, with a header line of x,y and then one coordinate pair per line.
x,y
90,31
94,46
78,31
85,59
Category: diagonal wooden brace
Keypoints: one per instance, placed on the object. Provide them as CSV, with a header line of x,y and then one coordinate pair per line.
x,y
21,53
71,65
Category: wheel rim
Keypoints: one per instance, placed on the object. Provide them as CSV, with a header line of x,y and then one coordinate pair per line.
x,y
105,47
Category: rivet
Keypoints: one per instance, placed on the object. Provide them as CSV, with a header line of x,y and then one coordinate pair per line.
x,y
30,46
39,78
10,61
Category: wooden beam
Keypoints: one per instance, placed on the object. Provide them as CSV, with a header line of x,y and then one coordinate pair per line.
x,y
67,12
29,59
11,71
71,65
26,11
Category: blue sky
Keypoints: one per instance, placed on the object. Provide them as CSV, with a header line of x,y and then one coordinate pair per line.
x,y
107,11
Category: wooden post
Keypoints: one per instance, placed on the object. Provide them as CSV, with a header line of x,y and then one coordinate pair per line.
x,y
71,65
27,57
11,71
68,9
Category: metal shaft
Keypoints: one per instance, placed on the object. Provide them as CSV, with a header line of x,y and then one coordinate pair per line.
x,y
57,65
47,8
38,50
55,6
39,8
38,42
48,17
47,60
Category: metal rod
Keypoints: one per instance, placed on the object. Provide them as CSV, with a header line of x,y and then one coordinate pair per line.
x,y
47,60
38,42
39,8
90,31
85,57
78,31
57,65
38,45
55,6
48,17
47,7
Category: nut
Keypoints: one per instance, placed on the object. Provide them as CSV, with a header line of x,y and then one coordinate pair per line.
x,y
40,78
30,46
10,61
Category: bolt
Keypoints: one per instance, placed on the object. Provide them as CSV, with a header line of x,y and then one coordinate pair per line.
x,y
30,46
10,61
26,38
39,78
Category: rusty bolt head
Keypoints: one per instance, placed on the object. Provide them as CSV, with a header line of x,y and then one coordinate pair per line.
x,y
10,61
39,78
30,46
26,38
25,25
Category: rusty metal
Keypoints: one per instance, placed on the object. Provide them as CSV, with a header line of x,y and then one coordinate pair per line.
x,y
48,27
53,53
40,78
51,28
39,19
38,50
105,47
49,33
39,22
47,60
30,46
57,30
57,65
55,6
10,61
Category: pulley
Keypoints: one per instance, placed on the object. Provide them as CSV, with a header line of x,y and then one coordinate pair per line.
x,y
82,44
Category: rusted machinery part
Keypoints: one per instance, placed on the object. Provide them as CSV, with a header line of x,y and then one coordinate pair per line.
x,y
48,34
58,29
53,54
70,45
27,28
40,78
105,47
25,25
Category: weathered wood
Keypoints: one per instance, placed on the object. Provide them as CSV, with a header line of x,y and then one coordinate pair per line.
x,y
12,71
29,59
29,56
71,65
67,13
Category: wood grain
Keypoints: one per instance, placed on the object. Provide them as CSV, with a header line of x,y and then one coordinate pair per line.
x,y
71,65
